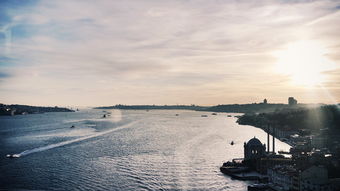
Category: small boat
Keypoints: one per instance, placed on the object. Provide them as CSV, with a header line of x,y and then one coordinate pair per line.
x,y
214,114
177,114
258,187
72,126
232,143
12,156
204,116
229,116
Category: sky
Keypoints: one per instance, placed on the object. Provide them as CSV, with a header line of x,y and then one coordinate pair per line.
x,y
203,52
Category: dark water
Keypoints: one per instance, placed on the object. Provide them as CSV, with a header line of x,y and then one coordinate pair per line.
x,y
129,150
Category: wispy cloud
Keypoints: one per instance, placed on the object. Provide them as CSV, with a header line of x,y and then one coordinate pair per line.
x,y
156,51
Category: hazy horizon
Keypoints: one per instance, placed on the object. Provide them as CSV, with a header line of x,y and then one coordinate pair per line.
x,y
86,53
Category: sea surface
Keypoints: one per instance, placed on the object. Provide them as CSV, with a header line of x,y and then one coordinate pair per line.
x,y
127,150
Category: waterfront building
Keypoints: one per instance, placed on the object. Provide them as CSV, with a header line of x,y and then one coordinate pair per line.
x,y
254,149
265,163
281,177
315,178
288,177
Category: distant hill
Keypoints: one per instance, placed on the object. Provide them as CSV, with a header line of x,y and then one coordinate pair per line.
x,y
234,108
248,108
26,109
152,107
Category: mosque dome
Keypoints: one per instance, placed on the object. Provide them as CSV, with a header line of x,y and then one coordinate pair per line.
x,y
254,142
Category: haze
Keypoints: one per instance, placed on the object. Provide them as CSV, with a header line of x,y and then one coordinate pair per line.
x,y
169,52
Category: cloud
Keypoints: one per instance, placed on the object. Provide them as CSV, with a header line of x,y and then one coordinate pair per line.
x,y
158,47
4,75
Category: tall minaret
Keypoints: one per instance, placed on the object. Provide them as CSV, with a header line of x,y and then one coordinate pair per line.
x,y
273,140
268,149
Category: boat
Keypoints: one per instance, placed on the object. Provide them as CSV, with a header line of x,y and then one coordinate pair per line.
x,y
214,114
177,114
12,156
232,170
72,126
234,167
284,152
229,115
258,187
204,116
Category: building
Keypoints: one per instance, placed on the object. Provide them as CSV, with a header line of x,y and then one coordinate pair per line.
x,y
254,149
315,178
265,101
282,177
292,101
318,141
265,163
288,177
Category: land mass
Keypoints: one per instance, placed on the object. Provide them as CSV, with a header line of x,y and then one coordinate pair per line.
x,y
321,121
231,108
26,109
152,107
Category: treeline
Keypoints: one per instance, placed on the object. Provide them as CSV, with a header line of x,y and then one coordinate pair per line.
x,y
248,108
312,119
26,109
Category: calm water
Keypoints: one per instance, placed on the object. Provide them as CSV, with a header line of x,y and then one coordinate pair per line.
x,y
129,150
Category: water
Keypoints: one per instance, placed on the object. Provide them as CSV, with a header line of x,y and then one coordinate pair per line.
x,y
129,150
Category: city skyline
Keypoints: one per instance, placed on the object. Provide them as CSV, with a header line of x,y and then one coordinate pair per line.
x,y
179,52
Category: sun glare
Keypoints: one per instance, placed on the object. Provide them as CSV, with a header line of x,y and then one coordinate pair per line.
x,y
304,62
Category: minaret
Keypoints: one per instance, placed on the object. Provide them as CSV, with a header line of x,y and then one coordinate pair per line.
x,y
273,140
268,149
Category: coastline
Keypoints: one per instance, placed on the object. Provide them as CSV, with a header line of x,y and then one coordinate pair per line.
x,y
10,110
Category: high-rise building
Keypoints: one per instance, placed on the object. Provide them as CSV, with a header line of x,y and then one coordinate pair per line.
x,y
292,101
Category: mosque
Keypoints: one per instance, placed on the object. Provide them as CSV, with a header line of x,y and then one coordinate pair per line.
x,y
254,149
258,158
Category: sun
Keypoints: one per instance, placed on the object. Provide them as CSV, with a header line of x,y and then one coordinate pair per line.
x,y
304,62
